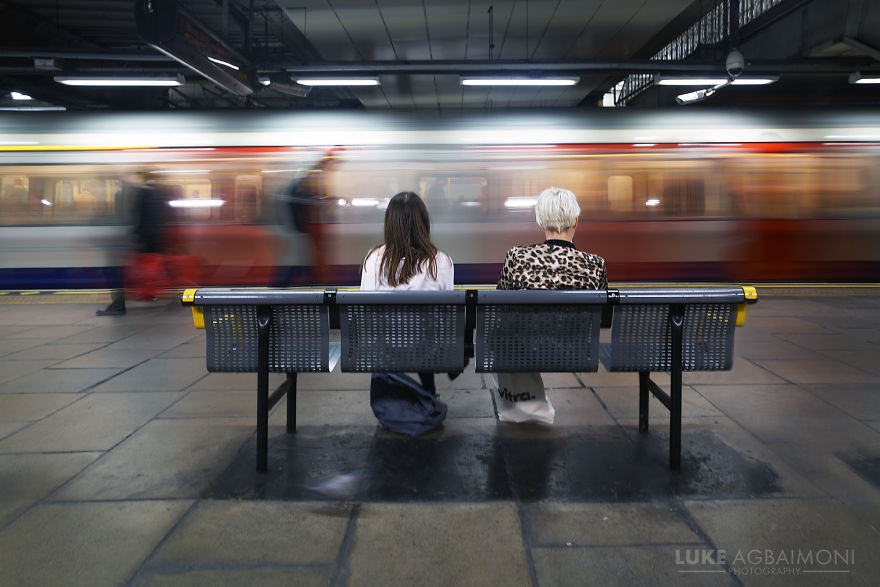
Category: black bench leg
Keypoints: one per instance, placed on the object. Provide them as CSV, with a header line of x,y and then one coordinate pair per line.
x,y
677,319
291,403
644,378
264,318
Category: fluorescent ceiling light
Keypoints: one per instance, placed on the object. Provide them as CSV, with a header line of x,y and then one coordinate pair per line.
x,y
19,96
859,78
33,108
714,81
120,80
519,81
688,81
338,81
755,81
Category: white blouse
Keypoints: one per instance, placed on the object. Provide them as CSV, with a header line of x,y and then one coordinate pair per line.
x,y
370,279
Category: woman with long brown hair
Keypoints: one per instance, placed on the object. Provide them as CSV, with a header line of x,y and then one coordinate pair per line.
x,y
408,259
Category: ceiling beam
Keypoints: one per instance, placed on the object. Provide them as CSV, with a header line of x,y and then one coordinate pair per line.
x,y
814,65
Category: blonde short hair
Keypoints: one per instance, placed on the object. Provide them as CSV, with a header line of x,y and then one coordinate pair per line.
x,y
556,209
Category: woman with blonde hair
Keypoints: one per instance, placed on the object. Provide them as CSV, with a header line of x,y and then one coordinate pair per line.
x,y
554,264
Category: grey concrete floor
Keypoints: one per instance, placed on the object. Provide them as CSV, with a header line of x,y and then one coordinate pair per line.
x,y
123,462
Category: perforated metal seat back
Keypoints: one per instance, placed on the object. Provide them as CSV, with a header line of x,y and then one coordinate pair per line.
x,y
641,337
550,338
299,338
402,338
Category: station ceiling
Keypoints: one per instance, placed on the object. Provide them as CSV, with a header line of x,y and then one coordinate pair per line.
x,y
419,50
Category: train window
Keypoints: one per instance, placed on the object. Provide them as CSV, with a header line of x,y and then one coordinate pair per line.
x,y
14,191
358,191
683,197
776,186
469,196
461,198
13,199
620,193
846,187
63,195
190,199
247,208
42,195
81,196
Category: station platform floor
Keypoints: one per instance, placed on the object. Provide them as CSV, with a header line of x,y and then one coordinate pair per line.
x,y
124,462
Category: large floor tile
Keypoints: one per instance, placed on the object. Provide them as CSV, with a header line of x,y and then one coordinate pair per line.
x,y
821,539
253,534
174,458
27,479
441,544
89,544
94,423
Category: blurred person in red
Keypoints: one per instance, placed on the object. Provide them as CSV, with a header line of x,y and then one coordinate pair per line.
x,y
149,216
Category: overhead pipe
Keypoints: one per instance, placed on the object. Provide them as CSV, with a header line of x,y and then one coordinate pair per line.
x,y
555,66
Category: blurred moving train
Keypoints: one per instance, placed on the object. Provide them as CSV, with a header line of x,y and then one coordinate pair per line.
x,y
673,195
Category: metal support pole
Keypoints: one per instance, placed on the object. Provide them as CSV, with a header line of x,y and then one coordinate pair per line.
x,y
291,403
264,319
644,378
676,318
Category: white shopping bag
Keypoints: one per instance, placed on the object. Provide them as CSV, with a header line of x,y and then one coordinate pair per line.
x,y
520,397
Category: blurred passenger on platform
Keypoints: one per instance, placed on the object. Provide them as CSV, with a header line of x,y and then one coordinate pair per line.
x,y
305,198
408,259
149,218
553,264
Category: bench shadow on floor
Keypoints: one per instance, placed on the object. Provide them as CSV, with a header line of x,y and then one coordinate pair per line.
x,y
524,462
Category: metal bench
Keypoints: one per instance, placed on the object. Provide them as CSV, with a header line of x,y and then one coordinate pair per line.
x,y
673,330
287,331
263,331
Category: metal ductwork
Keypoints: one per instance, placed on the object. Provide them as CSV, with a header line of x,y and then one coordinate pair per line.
x,y
173,31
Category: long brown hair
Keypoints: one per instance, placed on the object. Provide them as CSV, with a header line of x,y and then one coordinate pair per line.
x,y
407,240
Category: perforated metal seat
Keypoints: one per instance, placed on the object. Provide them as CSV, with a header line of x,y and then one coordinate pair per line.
x,y
299,337
641,338
402,331
537,330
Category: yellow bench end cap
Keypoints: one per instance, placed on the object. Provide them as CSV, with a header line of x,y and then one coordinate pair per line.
x,y
198,314
189,295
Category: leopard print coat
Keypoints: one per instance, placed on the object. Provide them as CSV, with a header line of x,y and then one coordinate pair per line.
x,y
554,264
